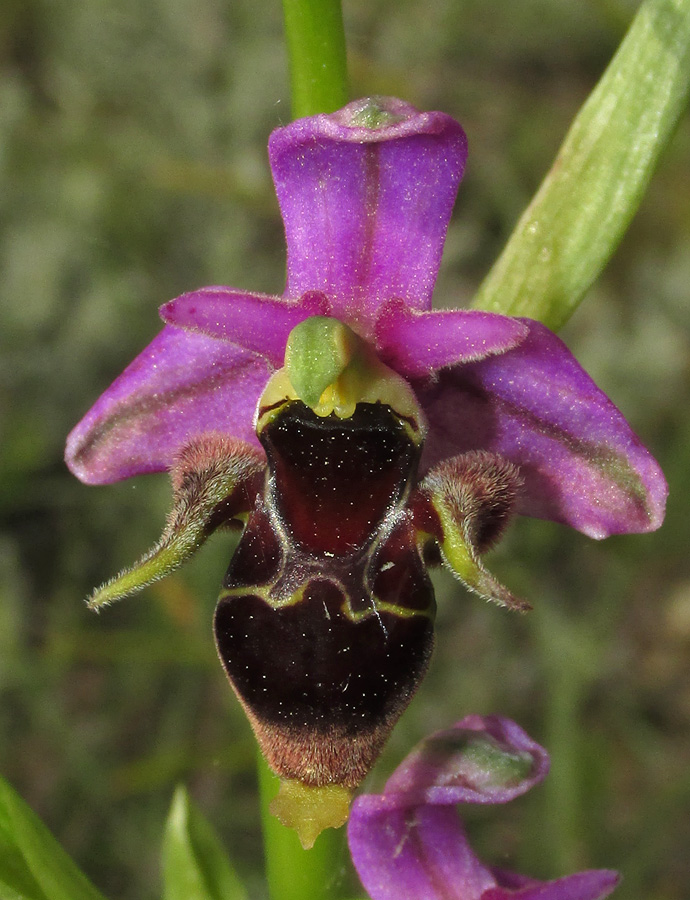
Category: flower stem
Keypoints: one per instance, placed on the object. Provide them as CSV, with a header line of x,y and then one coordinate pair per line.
x,y
292,872
316,50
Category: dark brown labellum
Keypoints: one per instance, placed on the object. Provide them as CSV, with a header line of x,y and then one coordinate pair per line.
x,y
325,623
334,480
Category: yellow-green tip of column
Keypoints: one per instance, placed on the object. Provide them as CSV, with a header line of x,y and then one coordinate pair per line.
x,y
317,352
310,810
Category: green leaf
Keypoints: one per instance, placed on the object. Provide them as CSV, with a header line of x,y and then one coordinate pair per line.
x,y
33,866
195,866
580,213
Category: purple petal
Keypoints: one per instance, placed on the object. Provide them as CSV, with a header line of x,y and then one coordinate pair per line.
x,y
416,343
416,853
182,385
581,462
258,322
592,885
366,208
482,759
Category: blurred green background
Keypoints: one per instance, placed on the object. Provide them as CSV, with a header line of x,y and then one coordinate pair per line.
x,y
133,168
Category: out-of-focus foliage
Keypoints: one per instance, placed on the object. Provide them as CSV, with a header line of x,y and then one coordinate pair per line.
x,y
133,168
33,864
195,865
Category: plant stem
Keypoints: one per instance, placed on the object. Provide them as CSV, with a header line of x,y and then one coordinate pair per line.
x,y
316,51
318,79
292,872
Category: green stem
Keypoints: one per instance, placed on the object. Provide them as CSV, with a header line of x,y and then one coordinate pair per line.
x,y
316,51
292,872
568,661
318,79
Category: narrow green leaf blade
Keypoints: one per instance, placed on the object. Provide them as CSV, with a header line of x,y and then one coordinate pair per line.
x,y
9,893
16,880
195,866
580,213
33,866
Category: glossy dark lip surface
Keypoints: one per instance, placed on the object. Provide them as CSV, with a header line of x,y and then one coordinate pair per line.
x,y
336,479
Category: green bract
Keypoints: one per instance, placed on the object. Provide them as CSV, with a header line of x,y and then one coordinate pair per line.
x,y
577,218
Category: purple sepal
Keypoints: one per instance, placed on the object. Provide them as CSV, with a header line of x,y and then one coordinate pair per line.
x,y
366,208
257,322
581,462
182,385
593,884
422,853
419,853
419,850
482,759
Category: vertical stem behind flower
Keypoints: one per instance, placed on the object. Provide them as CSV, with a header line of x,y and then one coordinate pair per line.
x,y
292,872
570,662
318,80
316,50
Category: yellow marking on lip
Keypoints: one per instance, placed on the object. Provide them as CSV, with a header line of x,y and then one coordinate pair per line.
x,y
309,809
380,606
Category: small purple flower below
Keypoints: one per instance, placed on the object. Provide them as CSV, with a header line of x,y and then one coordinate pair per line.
x,y
409,841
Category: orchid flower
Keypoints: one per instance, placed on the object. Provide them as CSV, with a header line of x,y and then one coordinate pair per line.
x,y
356,436
409,841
